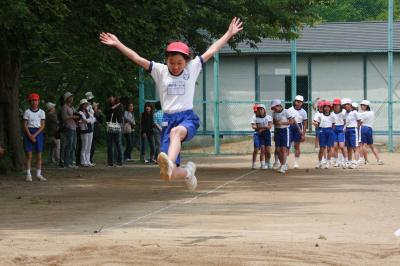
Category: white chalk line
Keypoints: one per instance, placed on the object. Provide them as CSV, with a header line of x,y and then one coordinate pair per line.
x,y
180,203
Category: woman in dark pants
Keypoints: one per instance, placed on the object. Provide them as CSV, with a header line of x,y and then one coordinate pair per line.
x,y
129,132
114,113
147,134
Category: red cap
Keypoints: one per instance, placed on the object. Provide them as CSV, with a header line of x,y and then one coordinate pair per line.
x,y
337,101
33,96
327,103
255,107
321,103
178,47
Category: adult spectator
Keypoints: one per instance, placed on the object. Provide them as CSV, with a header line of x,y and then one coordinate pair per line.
x,y
147,133
52,133
129,132
114,115
69,122
98,115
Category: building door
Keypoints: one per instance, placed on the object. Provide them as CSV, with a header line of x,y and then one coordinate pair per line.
x,y
302,89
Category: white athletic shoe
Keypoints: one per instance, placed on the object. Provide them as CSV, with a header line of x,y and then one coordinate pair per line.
x,y
28,178
296,165
353,166
269,165
264,167
253,166
41,178
318,166
165,165
282,169
380,162
337,164
276,166
191,180
326,165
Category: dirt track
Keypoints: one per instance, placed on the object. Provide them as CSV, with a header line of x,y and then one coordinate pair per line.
x,y
236,217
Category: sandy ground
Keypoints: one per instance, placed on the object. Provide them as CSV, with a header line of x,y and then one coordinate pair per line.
x,y
236,217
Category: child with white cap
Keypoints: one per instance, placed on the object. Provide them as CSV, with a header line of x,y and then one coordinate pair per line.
x,y
368,118
282,119
175,82
261,123
298,129
353,122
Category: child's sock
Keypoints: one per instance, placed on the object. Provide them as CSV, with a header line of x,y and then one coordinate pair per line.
x,y
28,172
38,172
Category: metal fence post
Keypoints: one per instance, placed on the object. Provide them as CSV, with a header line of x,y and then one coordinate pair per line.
x,y
293,68
390,75
217,143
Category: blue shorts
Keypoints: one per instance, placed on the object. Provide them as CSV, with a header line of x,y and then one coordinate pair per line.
x,y
351,135
295,132
282,137
187,119
339,134
366,135
38,146
326,137
262,139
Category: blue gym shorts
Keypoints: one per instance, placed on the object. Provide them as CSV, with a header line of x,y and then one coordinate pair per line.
x,y
366,135
326,137
38,146
295,133
187,119
262,139
351,135
339,134
282,137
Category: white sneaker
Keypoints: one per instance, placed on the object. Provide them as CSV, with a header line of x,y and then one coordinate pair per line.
x,y
282,169
253,166
318,166
191,180
264,167
337,164
165,165
353,166
269,165
28,178
380,162
326,165
276,166
296,165
41,178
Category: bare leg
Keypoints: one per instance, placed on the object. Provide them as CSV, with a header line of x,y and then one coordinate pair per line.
x,y
350,153
177,135
38,160
374,151
28,160
255,152
262,154
268,153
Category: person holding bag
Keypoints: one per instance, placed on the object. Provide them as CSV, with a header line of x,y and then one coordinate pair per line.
x,y
114,115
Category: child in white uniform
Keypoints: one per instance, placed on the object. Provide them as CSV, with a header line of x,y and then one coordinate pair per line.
x,y
338,112
261,123
368,118
175,83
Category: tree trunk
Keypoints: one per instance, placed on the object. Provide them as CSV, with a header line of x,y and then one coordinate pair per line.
x,y
10,70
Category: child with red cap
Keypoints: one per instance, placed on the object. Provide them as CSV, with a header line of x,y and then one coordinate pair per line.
x,y
34,121
261,123
175,83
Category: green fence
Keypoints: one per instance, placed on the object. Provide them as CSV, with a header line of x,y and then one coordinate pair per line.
x,y
353,57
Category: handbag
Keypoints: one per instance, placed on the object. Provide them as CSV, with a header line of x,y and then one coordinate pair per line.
x,y
113,127
127,128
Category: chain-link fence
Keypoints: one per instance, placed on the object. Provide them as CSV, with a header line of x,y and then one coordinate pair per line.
x,y
348,54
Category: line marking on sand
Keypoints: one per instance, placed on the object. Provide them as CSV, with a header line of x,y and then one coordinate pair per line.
x,y
138,219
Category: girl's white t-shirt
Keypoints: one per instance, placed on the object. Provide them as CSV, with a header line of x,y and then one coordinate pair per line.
x,y
262,121
34,117
283,116
339,118
176,92
352,118
367,118
326,121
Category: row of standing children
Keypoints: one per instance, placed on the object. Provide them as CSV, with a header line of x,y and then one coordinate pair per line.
x,y
343,134
289,127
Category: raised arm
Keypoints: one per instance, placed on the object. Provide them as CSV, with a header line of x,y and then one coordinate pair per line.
x,y
112,40
234,28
